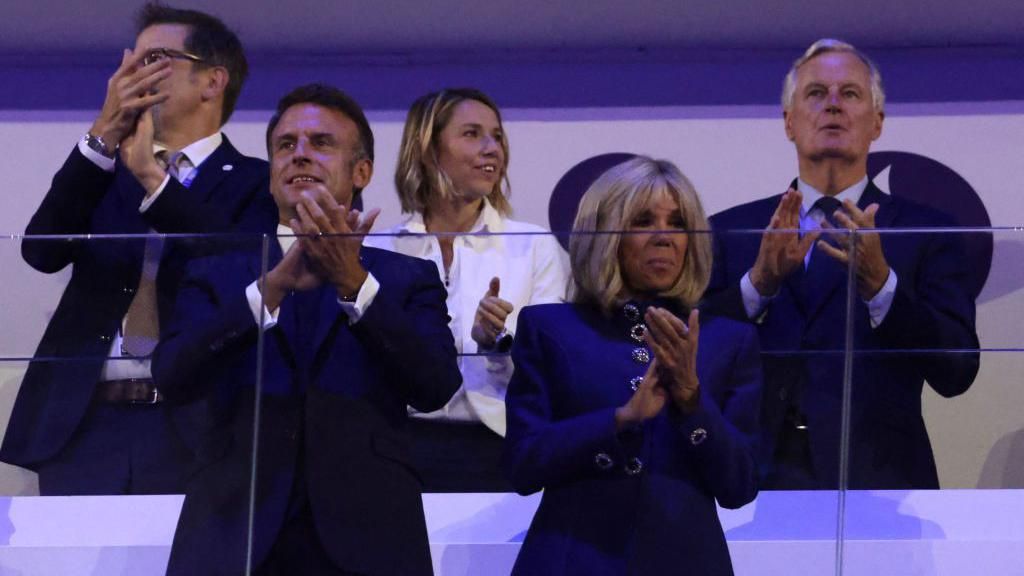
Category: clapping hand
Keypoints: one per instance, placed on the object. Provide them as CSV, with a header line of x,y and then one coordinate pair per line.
x,y
332,236
872,267
675,350
782,249
130,91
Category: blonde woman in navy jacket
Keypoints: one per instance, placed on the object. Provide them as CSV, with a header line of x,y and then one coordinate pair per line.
x,y
632,413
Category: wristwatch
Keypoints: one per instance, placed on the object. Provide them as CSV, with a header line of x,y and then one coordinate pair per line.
x,y
503,341
97,145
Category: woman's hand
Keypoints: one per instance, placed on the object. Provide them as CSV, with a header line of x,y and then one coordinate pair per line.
x,y
648,400
490,317
675,350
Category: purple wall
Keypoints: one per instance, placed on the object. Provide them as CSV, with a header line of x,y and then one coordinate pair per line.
x,y
544,79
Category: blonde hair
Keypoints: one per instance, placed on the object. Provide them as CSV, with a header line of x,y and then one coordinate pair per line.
x,y
825,46
418,179
608,207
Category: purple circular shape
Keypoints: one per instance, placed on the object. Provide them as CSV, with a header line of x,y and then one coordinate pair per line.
x,y
565,199
926,181
911,176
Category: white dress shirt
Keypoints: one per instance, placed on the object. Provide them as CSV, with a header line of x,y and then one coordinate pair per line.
x,y
810,220
117,367
532,268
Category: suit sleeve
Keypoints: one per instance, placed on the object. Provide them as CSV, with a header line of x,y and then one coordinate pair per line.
x,y
721,435
723,296
541,450
406,330
210,321
75,192
933,309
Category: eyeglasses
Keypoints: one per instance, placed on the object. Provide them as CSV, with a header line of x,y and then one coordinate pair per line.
x,y
158,54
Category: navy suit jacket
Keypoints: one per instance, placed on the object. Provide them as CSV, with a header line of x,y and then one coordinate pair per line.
x,y
333,401
803,337
229,194
573,368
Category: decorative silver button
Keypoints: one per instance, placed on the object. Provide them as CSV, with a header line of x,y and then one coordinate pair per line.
x,y
603,461
698,436
637,332
633,466
632,312
635,381
641,355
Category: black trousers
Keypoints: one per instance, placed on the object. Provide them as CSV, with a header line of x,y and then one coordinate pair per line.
x,y
792,463
298,550
119,449
457,456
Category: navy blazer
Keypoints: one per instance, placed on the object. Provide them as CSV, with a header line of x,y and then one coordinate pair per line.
x,y
333,400
229,194
803,331
573,368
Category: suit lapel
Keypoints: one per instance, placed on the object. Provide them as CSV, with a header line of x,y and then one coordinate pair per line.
x,y
886,213
214,169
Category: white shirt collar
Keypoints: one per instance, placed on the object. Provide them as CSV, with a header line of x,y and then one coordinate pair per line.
x,y
285,237
489,220
811,194
198,151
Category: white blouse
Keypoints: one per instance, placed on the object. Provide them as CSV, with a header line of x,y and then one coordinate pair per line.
x,y
533,269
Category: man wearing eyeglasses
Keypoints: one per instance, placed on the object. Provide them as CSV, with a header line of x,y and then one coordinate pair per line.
x,y
88,418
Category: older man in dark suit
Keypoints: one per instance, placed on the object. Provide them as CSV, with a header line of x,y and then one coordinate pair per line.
x,y
350,336
88,417
912,299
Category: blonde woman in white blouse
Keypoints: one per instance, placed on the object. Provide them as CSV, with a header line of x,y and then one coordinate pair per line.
x,y
452,181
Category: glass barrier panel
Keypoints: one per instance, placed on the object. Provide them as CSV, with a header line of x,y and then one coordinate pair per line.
x,y
113,384
401,388
933,472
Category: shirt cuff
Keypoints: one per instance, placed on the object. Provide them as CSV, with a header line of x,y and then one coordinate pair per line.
x,y
878,307
104,163
368,291
259,310
753,302
148,201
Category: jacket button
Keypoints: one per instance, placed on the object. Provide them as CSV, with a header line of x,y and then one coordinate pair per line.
x,y
603,461
633,466
641,356
698,436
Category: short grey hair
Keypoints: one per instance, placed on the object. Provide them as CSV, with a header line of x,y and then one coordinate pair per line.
x,y
825,46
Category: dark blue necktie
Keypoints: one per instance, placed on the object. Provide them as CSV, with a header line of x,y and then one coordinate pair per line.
x,y
822,270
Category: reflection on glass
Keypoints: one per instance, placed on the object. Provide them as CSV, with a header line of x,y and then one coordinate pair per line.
x,y
972,437
87,416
